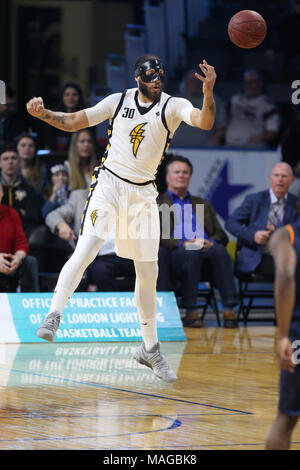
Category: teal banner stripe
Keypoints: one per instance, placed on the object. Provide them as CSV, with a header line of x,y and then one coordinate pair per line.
x,y
109,317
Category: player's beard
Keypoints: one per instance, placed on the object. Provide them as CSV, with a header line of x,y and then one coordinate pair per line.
x,y
151,95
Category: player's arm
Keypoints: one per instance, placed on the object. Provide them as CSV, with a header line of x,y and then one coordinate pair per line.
x,y
285,261
205,118
70,122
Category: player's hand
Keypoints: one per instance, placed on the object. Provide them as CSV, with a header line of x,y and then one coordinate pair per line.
x,y
285,355
35,107
208,79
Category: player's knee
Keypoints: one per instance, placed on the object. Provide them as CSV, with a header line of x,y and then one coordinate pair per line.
x,y
146,272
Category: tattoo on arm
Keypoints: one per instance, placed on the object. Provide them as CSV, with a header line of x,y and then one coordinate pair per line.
x,y
61,121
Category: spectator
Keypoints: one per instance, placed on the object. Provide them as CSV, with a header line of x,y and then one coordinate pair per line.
x,y
253,117
82,159
185,256
15,265
71,100
65,221
187,136
30,167
10,127
18,193
257,218
57,192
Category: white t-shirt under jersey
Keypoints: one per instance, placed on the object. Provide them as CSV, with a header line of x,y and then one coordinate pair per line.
x,y
140,132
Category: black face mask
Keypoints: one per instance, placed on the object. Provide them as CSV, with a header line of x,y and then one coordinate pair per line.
x,y
156,65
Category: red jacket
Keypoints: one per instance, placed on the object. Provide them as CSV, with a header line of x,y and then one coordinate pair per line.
x,y
12,236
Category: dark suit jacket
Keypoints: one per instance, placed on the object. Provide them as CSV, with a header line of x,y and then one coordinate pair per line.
x,y
251,216
211,224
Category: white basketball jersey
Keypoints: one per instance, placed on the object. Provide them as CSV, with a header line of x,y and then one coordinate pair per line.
x,y
138,138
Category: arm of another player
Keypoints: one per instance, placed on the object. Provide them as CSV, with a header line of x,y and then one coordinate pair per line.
x,y
285,261
205,118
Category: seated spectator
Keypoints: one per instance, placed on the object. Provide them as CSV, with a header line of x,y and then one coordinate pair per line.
x,y
71,100
188,256
57,192
65,222
30,167
82,159
15,266
187,136
18,193
257,218
10,125
253,119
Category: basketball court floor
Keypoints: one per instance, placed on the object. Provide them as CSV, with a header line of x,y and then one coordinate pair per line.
x,y
88,396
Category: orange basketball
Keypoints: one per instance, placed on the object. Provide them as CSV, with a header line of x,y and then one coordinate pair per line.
x,y
247,29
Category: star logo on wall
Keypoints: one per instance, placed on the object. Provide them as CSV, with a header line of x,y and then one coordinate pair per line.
x,y
221,191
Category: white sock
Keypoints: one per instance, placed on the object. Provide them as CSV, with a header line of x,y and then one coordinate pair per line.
x,y
145,299
149,333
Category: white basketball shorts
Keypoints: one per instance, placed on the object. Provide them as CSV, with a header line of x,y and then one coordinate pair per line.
x,y
132,208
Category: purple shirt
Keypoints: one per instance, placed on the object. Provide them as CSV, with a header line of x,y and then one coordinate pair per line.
x,y
186,224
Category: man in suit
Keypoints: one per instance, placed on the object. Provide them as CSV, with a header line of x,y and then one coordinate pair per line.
x,y
188,249
257,218
65,221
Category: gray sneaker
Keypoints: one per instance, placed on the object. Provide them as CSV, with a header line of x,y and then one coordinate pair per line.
x,y
155,360
49,326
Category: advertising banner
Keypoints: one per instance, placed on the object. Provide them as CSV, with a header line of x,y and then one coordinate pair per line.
x,y
88,317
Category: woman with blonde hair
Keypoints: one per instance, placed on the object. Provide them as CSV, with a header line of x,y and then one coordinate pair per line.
x,y
82,159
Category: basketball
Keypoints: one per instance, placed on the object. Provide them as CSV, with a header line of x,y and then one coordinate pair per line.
x,y
247,29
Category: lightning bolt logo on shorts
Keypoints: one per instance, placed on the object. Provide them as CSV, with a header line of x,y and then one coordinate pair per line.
x,y
137,137
94,217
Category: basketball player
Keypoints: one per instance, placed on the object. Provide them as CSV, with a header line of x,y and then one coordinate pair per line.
x,y
142,122
285,247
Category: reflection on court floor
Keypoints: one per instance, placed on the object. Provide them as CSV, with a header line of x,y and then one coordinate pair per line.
x,y
94,396
109,363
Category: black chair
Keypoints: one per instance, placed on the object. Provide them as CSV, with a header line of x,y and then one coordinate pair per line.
x,y
252,286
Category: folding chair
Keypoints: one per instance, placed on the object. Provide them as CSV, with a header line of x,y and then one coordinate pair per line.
x,y
252,286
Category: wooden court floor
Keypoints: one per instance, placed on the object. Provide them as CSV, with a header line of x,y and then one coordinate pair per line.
x,y
94,396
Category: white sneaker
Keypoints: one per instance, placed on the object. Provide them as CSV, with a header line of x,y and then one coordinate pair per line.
x,y
155,360
49,326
